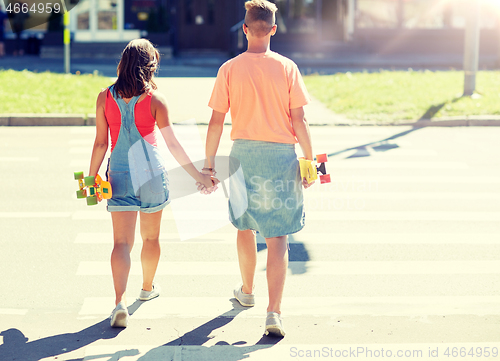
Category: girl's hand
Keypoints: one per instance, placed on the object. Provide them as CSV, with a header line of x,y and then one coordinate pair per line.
x,y
208,184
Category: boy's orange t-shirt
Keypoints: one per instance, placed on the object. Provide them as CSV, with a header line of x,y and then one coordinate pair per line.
x,y
260,89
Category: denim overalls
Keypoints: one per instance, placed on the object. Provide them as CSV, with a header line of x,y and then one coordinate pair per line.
x,y
136,170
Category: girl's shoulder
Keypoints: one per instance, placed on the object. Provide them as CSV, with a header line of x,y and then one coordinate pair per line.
x,y
101,98
158,98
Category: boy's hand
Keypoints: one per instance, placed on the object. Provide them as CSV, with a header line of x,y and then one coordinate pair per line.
x,y
208,185
305,184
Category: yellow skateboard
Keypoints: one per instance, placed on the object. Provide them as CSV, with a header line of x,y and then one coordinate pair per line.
x,y
97,188
309,169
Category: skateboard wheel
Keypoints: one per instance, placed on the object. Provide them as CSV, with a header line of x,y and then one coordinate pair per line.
x,y
81,194
325,178
321,158
91,201
89,181
78,175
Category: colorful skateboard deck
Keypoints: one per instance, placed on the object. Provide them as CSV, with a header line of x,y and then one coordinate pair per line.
x,y
309,169
92,188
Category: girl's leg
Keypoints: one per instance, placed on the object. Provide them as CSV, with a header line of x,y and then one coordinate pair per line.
x,y
277,264
150,255
123,234
247,257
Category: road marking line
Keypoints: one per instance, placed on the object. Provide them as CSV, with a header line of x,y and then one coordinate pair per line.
x,y
300,306
357,180
13,311
19,159
336,214
98,268
319,193
310,237
364,164
35,214
80,150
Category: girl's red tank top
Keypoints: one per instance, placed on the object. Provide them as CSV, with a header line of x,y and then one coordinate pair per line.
x,y
144,120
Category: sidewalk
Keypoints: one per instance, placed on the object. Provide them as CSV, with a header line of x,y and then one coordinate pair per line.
x,y
188,84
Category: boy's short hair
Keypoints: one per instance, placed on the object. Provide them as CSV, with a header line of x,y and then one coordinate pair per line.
x,y
260,17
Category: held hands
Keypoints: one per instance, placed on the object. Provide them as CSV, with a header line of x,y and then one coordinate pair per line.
x,y
208,183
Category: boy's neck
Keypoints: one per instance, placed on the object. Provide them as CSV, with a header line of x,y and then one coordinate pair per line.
x,y
259,46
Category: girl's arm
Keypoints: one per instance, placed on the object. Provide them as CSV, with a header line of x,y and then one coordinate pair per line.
x,y
101,136
301,128
160,113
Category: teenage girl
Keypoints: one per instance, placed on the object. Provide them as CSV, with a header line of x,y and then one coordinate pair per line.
x,y
129,110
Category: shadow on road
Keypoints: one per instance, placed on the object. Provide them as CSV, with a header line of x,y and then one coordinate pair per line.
x,y
383,145
16,345
297,253
195,339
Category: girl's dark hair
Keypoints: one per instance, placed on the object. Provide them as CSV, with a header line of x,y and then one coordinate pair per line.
x,y
137,66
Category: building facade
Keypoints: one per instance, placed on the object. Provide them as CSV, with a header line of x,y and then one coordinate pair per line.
x,y
394,25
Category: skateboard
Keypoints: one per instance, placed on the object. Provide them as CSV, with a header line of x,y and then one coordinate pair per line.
x,y
97,188
309,169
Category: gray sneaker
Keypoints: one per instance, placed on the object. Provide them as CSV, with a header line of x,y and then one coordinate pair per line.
x,y
149,295
274,325
245,299
119,317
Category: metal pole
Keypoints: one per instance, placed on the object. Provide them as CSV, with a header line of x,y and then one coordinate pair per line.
x,y
67,39
471,54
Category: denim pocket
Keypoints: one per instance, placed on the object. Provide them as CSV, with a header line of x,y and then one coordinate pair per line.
x,y
119,183
157,182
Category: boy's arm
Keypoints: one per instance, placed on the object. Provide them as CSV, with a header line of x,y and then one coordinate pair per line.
x,y
215,128
301,128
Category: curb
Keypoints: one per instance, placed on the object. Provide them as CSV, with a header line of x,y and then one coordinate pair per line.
x,y
19,120
30,120
492,121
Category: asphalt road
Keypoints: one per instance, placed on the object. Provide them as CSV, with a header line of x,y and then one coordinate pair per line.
x,y
400,256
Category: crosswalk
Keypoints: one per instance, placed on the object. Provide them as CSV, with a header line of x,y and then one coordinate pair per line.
x,y
400,257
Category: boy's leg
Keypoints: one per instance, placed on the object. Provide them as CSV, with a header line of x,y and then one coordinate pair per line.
x,y
277,265
247,257
150,255
123,234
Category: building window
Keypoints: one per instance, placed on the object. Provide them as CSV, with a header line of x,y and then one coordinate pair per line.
x,y
297,16
107,15
377,13
83,15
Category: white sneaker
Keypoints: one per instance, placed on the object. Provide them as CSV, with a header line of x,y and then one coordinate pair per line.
x,y
119,317
274,325
245,299
149,295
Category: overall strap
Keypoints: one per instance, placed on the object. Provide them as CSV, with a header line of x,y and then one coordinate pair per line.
x,y
125,108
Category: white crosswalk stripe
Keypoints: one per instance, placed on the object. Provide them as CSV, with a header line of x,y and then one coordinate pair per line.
x,y
314,268
400,177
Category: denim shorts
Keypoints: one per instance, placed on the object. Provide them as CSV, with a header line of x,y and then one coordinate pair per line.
x,y
150,197
265,188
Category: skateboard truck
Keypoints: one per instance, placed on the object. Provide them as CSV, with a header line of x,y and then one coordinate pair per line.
x,y
96,187
309,169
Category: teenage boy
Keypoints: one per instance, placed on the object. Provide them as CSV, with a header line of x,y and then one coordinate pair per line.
x,y
266,95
